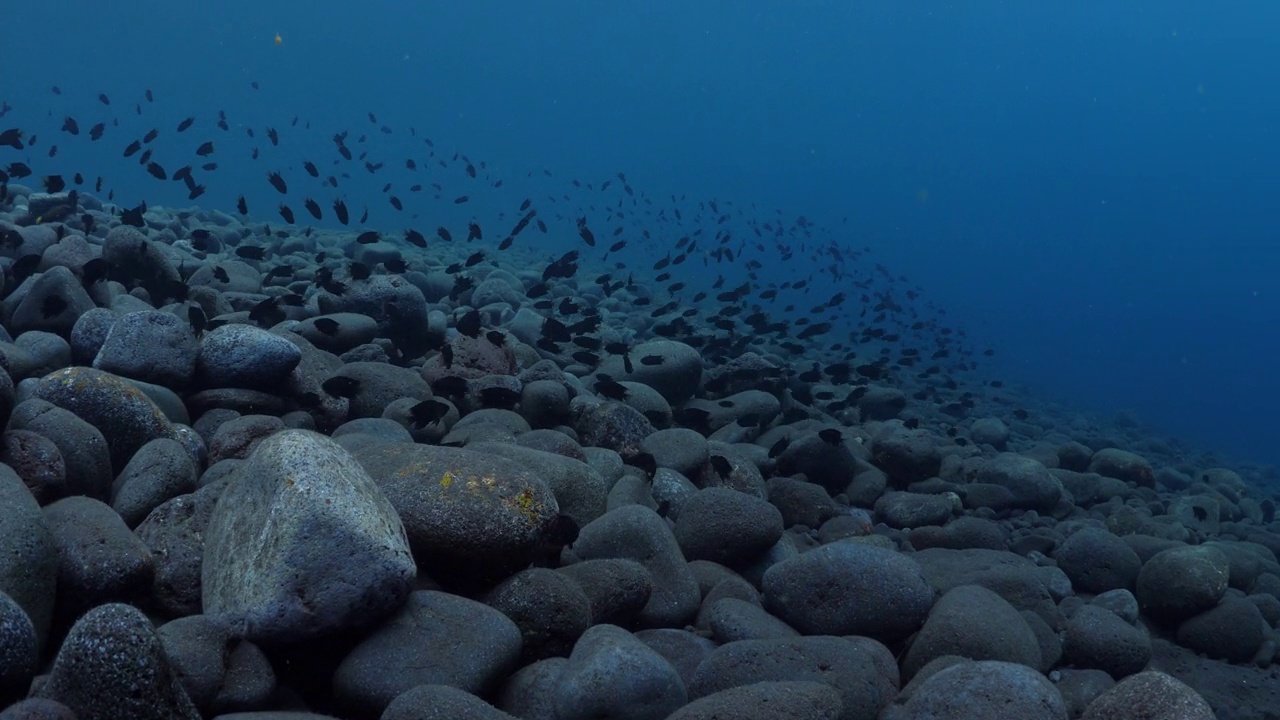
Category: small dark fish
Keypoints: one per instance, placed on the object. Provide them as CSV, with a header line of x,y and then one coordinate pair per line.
x,y
779,447
24,266
460,199
341,386
102,98
286,212
150,136
506,242
469,324
396,265
281,271
205,149
475,259
185,124
69,125
277,182
327,326
721,465
473,232
220,274
369,237
415,238
251,252
444,234
273,136
133,216
199,321
133,148
831,436
312,207
12,138
360,271
651,360
93,271
610,388
311,169
496,337
54,184
157,172
499,397
429,412
340,209
242,206
53,306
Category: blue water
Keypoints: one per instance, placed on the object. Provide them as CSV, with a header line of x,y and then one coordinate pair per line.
x,y
1086,187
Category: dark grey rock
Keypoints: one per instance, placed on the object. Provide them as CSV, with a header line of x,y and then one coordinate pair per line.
x,y
617,589
726,526
472,647
1181,582
471,518
973,622
160,470
112,665
638,533
551,610
19,649
612,674
152,346
28,555
1097,638
174,533
333,554
785,700
37,460
1098,561
126,417
33,311
99,559
243,356
986,690
441,702
848,588
865,685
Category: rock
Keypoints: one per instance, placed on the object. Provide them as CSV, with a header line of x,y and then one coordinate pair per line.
x,y
1097,638
972,622
81,445
1181,582
617,589
727,527
125,416
1098,561
174,534
380,385
1233,630
19,649
847,588
612,674
990,431
1150,694
112,665
333,554
160,470
393,302
676,374
986,690
471,518
615,426
638,533
151,346
783,700
913,510
907,456
52,303
472,647
550,609
680,449
1123,465
861,671
99,559
441,702
1031,483
831,465
37,461
243,356
349,330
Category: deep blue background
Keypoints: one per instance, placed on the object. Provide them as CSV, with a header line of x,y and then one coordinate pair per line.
x,y
1089,187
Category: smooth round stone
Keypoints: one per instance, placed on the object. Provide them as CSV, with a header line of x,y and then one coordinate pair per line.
x,y
154,347
331,552
125,416
112,665
243,356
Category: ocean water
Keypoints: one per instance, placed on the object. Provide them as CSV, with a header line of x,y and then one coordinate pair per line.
x,y
1085,188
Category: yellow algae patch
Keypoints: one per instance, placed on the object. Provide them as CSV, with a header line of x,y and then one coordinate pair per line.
x,y
447,480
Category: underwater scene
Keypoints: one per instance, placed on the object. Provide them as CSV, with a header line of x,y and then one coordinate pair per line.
x,y
587,360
